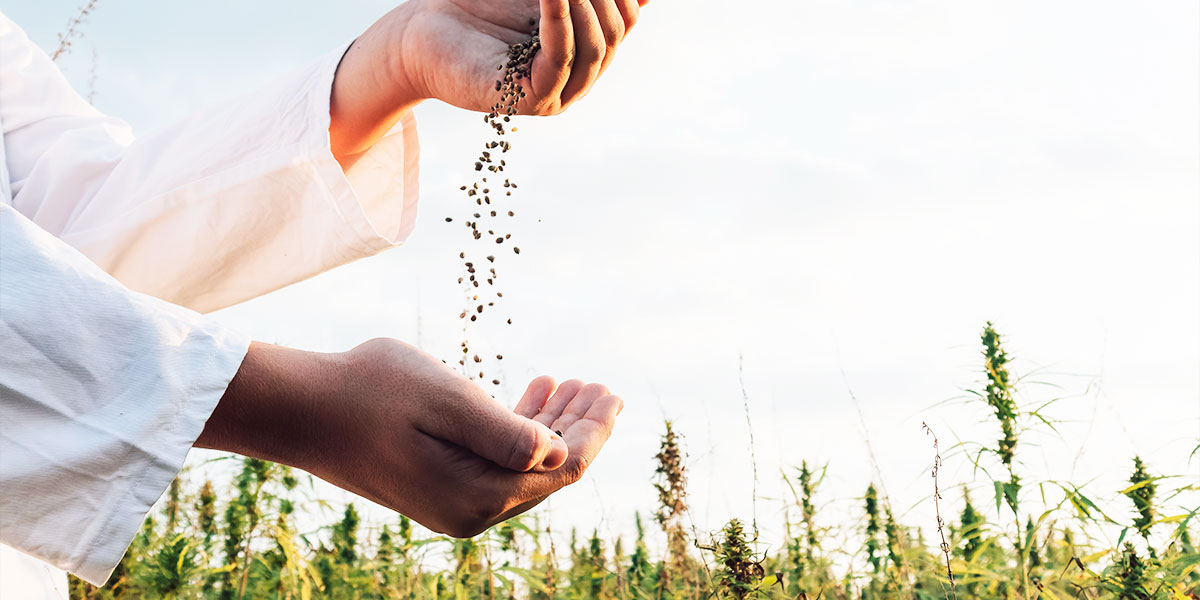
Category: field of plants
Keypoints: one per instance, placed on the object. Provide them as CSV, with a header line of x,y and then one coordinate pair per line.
x,y
1027,539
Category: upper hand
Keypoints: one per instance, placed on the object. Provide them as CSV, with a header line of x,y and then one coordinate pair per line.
x,y
449,49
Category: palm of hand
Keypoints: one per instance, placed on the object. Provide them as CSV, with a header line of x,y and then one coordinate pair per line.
x,y
584,414
461,42
455,47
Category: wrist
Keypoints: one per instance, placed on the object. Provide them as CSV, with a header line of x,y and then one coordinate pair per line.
x,y
373,87
272,407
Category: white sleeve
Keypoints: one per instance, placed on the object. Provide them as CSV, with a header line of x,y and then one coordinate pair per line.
x,y
233,202
102,393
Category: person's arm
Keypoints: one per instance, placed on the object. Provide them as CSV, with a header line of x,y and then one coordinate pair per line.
x,y
103,391
102,394
450,50
311,172
233,201
397,426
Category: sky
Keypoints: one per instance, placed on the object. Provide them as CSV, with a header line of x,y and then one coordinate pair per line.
x,y
816,203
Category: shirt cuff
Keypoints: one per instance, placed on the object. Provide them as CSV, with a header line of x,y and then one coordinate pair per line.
x,y
377,197
103,391
220,353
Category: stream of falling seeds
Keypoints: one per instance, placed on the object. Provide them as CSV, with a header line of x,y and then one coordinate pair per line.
x,y
486,224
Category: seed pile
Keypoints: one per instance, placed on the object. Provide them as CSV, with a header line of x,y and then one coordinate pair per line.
x,y
487,216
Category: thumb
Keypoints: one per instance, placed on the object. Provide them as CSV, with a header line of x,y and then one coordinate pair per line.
x,y
477,422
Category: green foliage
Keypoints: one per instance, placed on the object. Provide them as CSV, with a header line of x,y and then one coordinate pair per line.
x,y
739,572
239,540
1142,494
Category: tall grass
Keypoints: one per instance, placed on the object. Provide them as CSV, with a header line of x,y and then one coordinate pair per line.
x,y
239,540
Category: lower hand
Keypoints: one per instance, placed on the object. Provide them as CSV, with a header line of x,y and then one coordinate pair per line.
x,y
399,427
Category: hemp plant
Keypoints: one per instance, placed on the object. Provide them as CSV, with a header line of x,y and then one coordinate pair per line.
x,y
998,393
670,481
738,569
1141,493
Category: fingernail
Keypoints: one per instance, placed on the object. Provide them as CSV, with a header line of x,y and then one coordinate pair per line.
x,y
557,456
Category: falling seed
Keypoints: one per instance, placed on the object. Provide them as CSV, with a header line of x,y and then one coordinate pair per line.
x,y
495,382
499,357
516,250
448,219
558,433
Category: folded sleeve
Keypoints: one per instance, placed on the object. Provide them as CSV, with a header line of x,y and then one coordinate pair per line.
x,y
232,202
102,393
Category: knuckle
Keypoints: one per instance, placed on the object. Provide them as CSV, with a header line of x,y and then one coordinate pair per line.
x,y
486,512
526,444
577,469
595,47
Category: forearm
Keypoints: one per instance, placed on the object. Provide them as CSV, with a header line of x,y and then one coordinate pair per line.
x,y
372,89
272,408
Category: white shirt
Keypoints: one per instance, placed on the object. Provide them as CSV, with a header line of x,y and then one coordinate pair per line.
x,y
111,247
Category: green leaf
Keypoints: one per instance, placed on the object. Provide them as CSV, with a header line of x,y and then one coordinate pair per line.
x,y
535,579
999,486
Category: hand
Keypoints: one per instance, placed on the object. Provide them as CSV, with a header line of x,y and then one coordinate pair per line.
x,y
449,50
397,426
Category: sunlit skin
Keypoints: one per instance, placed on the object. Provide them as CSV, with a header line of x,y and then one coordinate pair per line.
x,y
396,425
449,50
386,420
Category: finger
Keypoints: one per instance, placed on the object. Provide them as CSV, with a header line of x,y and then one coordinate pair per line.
x,y
579,406
612,28
535,397
552,66
587,437
584,441
589,51
557,403
629,14
478,423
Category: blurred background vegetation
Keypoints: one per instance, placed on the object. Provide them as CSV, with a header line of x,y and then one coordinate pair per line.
x,y
1028,539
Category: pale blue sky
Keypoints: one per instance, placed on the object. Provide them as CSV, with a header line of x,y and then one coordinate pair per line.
x,y
841,191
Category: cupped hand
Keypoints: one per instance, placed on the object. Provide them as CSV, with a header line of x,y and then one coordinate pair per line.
x,y
583,413
399,427
449,49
